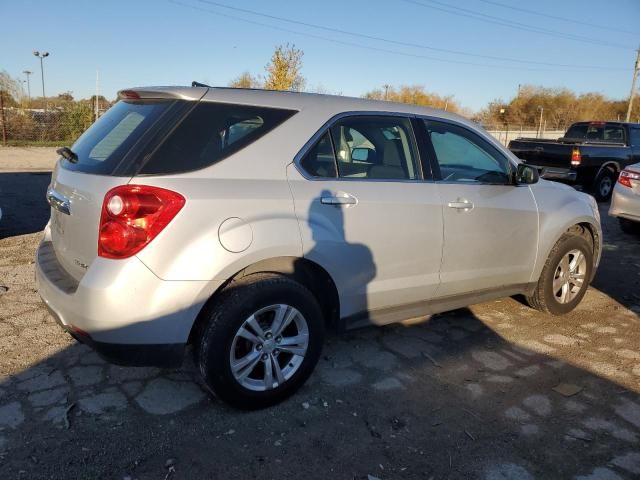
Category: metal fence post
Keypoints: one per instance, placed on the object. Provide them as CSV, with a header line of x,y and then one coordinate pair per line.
x,y
4,119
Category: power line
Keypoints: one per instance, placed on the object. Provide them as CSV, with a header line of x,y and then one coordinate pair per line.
x,y
464,12
556,17
395,42
367,47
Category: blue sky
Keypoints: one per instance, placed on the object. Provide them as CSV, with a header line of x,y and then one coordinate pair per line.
x,y
167,42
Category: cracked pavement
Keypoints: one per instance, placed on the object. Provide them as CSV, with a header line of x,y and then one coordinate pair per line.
x,y
495,391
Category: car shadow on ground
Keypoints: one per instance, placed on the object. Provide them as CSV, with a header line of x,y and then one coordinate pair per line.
x,y
446,398
23,203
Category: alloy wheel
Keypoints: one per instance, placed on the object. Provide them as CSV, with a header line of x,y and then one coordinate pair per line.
x,y
569,276
269,347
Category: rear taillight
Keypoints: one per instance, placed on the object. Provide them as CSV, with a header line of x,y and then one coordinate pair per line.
x,y
576,157
132,216
626,176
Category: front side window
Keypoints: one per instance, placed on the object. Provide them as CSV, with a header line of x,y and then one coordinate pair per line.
x,y
320,161
211,132
464,156
380,148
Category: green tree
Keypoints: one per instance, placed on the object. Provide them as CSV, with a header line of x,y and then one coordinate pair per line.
x,y
283,71
75,118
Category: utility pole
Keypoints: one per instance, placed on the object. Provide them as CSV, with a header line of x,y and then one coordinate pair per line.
x,y
386,90
633,85
27,73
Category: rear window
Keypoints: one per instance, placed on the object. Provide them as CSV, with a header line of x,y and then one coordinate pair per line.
x,y
211,132
597,132
101,148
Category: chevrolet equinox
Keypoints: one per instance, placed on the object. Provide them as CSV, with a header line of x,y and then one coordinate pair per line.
x,y
246,222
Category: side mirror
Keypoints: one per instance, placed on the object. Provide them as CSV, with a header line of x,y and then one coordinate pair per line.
x,y
526,175
362,154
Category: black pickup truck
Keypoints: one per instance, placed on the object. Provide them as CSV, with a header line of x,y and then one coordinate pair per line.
x,y
591,154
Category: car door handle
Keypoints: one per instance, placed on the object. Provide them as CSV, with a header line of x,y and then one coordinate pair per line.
x,y
339,200
465,205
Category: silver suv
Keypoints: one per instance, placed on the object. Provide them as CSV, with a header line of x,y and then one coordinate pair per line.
x,y
245,222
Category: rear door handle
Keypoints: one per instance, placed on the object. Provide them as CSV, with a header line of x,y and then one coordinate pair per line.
x,y
464,205
339,200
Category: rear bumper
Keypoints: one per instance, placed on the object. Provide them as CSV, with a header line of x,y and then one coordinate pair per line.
x,y
169,355
121,309
625,203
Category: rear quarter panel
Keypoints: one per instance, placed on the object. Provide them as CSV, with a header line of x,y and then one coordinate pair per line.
x,y
250,185
190,248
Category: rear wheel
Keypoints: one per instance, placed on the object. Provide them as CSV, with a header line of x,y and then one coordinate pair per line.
x,y
603,185
263,340
565,276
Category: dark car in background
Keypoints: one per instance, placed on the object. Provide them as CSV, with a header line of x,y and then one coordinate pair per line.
x,y
591,154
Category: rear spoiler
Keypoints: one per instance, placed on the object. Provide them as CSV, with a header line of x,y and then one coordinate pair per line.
x,y
164,93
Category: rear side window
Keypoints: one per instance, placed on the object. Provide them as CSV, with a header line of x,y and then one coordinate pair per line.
x,y
211,132
101,148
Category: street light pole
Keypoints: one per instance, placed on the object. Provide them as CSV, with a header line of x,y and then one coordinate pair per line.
x,y
27,73
42,56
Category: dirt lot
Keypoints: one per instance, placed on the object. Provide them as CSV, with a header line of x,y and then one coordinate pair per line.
x,y
496,391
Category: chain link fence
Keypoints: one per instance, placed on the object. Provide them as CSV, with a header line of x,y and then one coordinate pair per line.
x,y
62,125
505,133
59,125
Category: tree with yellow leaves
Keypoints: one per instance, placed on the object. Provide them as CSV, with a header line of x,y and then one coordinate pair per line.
x,y
245,80
283,71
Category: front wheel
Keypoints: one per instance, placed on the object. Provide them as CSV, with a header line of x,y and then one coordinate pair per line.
x,y
263,340
565,276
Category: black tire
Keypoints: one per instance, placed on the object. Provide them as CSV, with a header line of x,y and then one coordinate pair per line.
x,y
228,312
603,184
543,297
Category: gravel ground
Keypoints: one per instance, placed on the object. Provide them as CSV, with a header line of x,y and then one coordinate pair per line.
x,y
495,391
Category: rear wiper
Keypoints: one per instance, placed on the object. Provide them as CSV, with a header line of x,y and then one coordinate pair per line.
x,y
67,154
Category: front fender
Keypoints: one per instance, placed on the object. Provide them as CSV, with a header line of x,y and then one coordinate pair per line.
x,y
560,208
